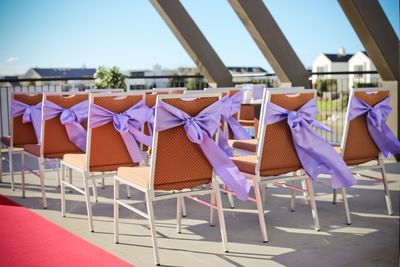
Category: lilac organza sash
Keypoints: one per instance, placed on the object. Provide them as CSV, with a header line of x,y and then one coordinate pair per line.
x,y
127,123
29,113
230,106
200,130
150,120
377,116
316,155
258,91
71,118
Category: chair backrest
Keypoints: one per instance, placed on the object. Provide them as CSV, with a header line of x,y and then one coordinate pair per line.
x,y
276,153
177,163
106,150
173,90
104,91
357,145
23,133
54,138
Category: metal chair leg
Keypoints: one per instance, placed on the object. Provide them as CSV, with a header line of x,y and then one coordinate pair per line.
x,y
88,203
178,214
334,196
63,202
23,174
94,188
11,168
1,165
212,201
116,211
184,212
221,218
386,186
128,191
313,204
41,176
260,209
293,199
150,214
346,206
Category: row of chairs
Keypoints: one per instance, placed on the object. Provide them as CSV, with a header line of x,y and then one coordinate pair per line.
x,y
182,172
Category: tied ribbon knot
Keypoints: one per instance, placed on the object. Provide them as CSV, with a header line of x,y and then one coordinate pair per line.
x,y
199,130
377,116
127,123
230,106
315,154
30,114
71,118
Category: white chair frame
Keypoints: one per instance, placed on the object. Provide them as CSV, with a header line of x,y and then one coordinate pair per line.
x,y
86,173
151,195
357,168
11,149
42,161
259,182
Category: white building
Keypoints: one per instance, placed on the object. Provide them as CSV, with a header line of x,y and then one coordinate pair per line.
x,y
361,62
332,63
141,82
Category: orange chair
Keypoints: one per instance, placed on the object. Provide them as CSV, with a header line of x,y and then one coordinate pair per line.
x,y
106,150
357,146
54,140
276,157
178,169
20,133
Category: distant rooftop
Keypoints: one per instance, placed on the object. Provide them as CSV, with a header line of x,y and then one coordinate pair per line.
x,y
64,73
338,57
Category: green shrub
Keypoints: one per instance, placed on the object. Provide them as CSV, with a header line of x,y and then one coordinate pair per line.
x,y
109,78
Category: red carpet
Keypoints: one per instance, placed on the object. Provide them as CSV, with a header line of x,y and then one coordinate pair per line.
x,y
26,239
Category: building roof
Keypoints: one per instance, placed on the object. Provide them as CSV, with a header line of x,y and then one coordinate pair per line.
x,y
338,58
64,73
241,69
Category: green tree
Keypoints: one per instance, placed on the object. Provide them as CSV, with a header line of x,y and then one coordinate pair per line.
x,y
109,78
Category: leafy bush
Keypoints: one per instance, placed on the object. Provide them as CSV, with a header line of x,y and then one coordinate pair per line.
x,y
364,85
109,78
326,85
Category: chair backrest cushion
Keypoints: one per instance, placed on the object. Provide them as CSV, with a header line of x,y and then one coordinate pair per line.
x,y
279,155
179,162
360,147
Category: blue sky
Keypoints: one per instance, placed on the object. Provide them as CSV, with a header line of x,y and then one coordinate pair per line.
x,y
130,33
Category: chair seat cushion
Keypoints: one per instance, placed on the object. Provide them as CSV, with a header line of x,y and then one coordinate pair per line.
x,y
248,123
34,149
352,162
77,160
247,164
137,175
249,145
6,140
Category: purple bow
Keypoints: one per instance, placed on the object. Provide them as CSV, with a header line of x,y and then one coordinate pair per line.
x,y
315,154
200,130
258,91
150,120
71,118
383,137
230,106
31,114
127,123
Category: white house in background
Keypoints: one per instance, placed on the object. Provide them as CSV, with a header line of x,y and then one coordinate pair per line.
x,y
141,82
332,63
361,62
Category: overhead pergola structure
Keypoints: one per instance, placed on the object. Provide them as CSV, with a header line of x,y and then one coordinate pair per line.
x,y
193,40
381,43
366,17
271,41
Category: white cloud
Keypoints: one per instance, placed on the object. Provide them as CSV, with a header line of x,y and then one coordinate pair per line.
x,y
11,59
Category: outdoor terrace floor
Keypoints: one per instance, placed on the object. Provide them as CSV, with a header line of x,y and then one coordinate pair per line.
x,y
371,240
